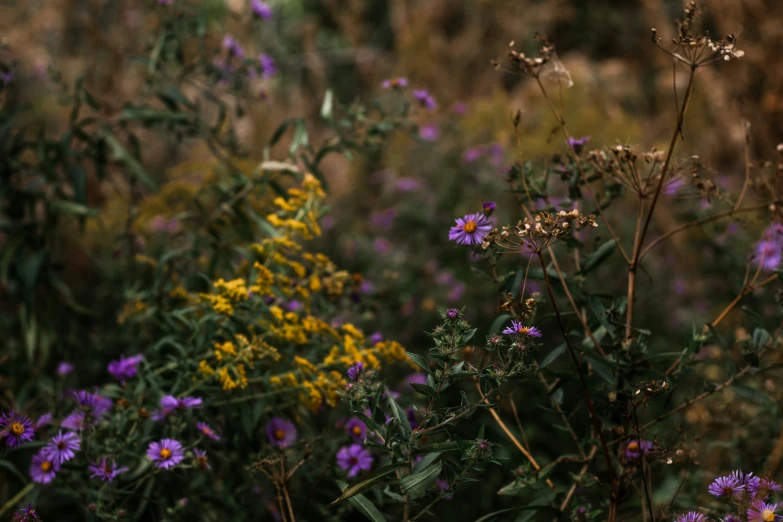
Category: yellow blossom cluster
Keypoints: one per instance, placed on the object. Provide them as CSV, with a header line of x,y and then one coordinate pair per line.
x,y
130,310
232,357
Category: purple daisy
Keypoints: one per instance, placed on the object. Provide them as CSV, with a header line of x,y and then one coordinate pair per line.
x,y
281,432
169,403
124,369
26,515
233,47
43,468
93,402
376,338
517,328
489,207
166,454
471,229
267,65
354,458
636,448
395,83
16,429
692,516
200,456
355,370
578,143
726,487
43,420
74,421
261,9
63,447
64,368
356,429
762,512
425,99
106,470
762,487
769,251
207,431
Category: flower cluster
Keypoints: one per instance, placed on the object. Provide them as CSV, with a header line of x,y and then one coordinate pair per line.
x,y
747,493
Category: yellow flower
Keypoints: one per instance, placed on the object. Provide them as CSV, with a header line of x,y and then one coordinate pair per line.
x,y
205,368
304,365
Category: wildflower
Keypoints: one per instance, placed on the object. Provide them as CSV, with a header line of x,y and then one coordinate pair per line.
x,y
769,251
726,487
207,431
261,9
578,143
26,515
281,432
472,154
394,82
356,429
267,65
636,448
489,207
452,313
429,132
64,368
62,448
376,338
425,99
43,420
93,402
761,488
355,370
232,47
470,229
74,421
692,516
762,512
412,419
200,457
106,470
169,403
16,429
166,454
124,368
43,468
517,328
354,458
731,518
443,485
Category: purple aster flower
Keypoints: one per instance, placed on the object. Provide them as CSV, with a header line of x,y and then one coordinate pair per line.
x,y
517,328
769,251
43,468
169,403
429,132
166,454
63,447
207,431
636,448
673,186
578,143
354,458
472,154
106,470
281,432
16,429
355,370
376,338
26,515
489,207
200,456
726,487
443,485
731,518
761,488
124,369
93,402
394,83
233,47
425,99
64,368
762,512
452,313
744,479
416,378
412,418
267,65
74,421
356,429
261,9
43,420
471,229
692,516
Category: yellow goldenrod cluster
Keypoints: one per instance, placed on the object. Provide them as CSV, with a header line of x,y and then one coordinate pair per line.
x,y
130,310
232,357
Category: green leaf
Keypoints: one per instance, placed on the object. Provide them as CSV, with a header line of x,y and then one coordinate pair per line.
x,y
600,314
326,106
420,361
438,446
498,323
364,485
301,138
426,460
399,414
119,154
599,256
425,390
77,209
363,504
279,131
416,485
553,355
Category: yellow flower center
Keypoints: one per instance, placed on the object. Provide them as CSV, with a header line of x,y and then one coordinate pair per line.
x,y
768,515
357,430
633,446
46,466
207,431
165,453
17,428
469,227
279,434
523,329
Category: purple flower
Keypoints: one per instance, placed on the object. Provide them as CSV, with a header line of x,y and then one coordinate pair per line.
x,y
460,108
267,65
744,479
762,512
62,448
15,429
43,468
354,458
43,420
93,402
442,485
769,251
106,470
692,516
166,454
517,328
471,229
74,421
425,99
673,186
207,431
124,369
489,207
395,83
382,246
261,9
731,518
376,338
200,456
233,47
416,378
169,403
26,515
412,419
281,432
355,370
407,184
761,488
636,448
64,368
472,154
727,487
429,132
384,218
356,429
452,313
578,143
